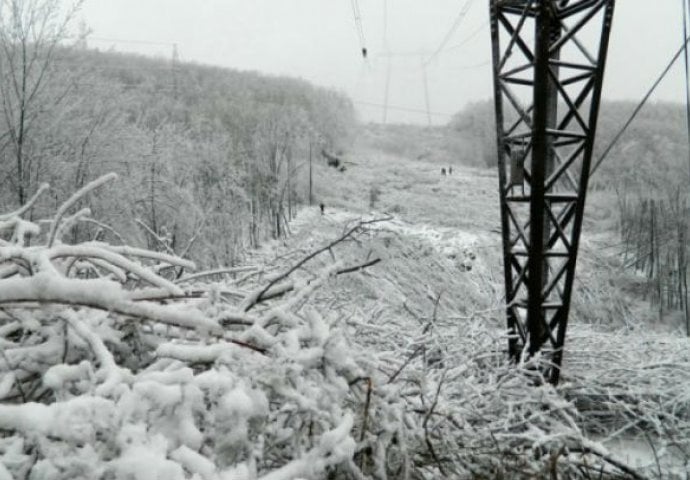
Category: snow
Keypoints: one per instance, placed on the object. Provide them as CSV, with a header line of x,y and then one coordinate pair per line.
x,y
194,462
57,376
75,420
364,375
115,259
144,457
4,473
335,447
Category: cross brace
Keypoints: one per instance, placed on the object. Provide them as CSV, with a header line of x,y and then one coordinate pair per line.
x,y
548,59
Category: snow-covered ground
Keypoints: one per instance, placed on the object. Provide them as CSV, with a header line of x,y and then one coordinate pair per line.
x,y
369,344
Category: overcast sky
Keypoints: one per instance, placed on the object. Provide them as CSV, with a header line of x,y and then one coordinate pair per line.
x,y
318,41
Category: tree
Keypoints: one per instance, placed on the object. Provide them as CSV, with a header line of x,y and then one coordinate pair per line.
x,y
30,33
476,122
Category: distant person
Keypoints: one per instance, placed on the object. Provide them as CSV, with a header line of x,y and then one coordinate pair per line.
x,y
450,170
364,53
323,208
443,170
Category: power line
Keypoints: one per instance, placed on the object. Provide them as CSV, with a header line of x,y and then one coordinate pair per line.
x,y
687,123
134,42
453,28
385,25
386,90
471,36
402,109
472,66
639,106
112,68
403,54
426,95
687,75
358,24
468,38
386,48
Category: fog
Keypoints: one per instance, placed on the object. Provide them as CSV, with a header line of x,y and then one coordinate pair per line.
x,y
318,40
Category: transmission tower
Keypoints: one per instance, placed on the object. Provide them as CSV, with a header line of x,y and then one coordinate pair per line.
x,y
175,62
548,58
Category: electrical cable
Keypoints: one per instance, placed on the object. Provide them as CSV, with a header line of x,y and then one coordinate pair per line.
x,y
385,26
620,133
458,20
471,36
467,39
687,74
358,24
134,42
386,48
402,109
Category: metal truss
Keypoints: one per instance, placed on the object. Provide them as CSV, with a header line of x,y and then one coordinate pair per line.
x,y
549,58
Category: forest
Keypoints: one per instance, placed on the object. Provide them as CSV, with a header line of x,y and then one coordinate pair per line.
x,y
645,175
651,154
211,161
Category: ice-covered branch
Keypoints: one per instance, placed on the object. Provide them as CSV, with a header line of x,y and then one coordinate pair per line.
x,y
74,199
101,294
27,206
336,446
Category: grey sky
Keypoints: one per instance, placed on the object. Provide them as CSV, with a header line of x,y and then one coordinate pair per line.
x,y
317,40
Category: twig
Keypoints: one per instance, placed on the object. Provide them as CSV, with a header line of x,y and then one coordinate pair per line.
x,y
155,236
218,271
299,264
104,227
356,268
426,421
74,199
365,418
27,206
409,359
608,459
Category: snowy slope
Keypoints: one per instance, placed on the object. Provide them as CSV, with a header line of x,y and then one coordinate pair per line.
x,y
300,364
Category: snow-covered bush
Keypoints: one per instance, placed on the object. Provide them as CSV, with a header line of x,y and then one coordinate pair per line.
x,y
110,370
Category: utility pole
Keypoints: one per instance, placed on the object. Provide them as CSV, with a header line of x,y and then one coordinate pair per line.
x,y
175,61
426,95
311,194
386,89
289,186
386,49
544,156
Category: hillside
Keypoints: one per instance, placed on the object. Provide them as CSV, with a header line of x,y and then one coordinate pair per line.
x,y
651,154
362,345
208,154
442,265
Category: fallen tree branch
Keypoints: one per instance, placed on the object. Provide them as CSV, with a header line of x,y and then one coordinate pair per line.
x,y
99,294
218,271
357,268
285,287
283,276
74,199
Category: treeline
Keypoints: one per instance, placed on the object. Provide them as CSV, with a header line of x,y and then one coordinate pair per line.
x,y
654,233
210,160
652,153
646,172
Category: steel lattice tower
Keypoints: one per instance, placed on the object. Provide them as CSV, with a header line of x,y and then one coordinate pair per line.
x,y
549,58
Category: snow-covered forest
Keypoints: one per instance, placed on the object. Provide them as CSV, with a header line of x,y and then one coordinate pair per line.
x,y
206,155
190,290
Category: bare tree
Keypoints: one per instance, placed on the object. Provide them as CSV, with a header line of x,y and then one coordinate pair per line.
x,y
30,33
